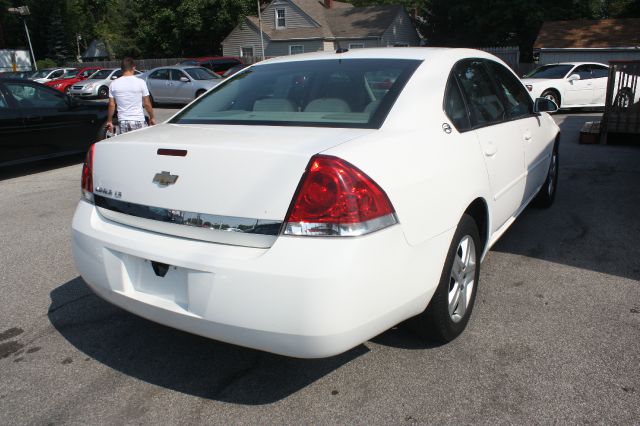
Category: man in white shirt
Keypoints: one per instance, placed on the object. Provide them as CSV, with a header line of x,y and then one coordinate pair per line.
x,y
129,93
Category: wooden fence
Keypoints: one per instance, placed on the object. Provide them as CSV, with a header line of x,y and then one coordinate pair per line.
x,y
622,105
141,64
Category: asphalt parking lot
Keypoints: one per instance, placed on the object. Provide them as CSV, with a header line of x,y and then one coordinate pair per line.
x,y
554,337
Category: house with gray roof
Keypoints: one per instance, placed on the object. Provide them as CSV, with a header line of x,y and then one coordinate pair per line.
x,y
298,26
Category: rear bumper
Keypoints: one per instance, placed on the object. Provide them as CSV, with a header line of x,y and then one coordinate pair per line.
x,y
303,297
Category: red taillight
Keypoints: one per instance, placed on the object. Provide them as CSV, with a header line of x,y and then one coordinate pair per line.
x,y
336,198
87,176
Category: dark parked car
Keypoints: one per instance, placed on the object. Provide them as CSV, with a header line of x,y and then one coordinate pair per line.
x,y
217,64
38,122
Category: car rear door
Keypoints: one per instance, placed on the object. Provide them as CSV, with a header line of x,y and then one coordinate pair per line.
x,y
180,91
500,139
51,124
158,84
579,92
600,74
536,142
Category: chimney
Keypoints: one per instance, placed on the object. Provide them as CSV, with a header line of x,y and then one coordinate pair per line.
x,y
328,3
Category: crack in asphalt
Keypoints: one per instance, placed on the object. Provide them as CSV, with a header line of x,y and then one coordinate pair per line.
x,y
234,378
54,309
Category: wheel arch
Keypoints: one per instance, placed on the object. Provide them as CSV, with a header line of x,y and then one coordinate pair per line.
x,y
479,212
556,91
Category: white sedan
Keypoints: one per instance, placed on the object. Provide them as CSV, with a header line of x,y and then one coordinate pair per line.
x,y
49,74
569,85
298,209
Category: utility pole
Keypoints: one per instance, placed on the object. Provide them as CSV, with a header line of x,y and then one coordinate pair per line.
x,y
78,38
260,25
23,11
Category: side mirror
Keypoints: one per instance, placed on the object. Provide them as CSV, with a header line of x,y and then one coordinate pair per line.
x,y
573,77
114,77
544,105
184,79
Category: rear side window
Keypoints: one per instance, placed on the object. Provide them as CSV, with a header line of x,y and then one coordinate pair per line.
x,y
484,104
454,106
29,96
517,100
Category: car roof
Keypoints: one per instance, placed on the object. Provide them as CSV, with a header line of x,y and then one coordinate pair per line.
x,y
576,63
21,80
416,53
178,67
206,58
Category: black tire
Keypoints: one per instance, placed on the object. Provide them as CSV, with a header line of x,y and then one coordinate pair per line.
x,y
153,101
103,92
547,194
435,323
199,93
552,95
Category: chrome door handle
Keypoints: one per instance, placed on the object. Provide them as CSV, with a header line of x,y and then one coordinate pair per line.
x,y
490,148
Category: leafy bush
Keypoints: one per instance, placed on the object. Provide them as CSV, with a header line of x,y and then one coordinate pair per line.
x,y
46,63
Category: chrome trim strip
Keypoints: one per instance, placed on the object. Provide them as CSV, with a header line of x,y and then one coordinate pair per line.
x,y
231,230
339,230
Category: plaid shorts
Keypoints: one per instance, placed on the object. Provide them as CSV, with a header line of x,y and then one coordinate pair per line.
x,y
129,125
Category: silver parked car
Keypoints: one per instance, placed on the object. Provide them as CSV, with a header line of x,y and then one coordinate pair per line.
x,y
97,86
179,84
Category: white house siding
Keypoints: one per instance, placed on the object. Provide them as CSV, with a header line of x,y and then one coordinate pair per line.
x,y
281,48
243,35
294,17
368,42
401,31
329,46
587,55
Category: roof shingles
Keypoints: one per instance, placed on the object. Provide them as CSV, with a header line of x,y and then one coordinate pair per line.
x,y
343,20
605,33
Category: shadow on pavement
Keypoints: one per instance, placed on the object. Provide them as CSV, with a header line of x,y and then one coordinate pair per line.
x,y
177,360
594,223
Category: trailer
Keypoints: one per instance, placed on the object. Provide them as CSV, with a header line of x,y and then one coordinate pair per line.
x,y
15,60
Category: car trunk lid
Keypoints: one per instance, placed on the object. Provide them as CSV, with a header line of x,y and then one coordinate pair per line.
x,y
226,184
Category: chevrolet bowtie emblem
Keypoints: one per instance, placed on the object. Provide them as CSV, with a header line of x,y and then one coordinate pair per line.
x,y
165,179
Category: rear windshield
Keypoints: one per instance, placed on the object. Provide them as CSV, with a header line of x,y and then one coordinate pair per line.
x,y
322,93
550,71
201,74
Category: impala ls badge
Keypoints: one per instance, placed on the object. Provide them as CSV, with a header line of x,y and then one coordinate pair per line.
x,y
165,179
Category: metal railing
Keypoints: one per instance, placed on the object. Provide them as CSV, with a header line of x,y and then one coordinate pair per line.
x,y
622,105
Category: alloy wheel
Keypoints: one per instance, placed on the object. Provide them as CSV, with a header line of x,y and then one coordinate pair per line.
x,y
462,279
553,173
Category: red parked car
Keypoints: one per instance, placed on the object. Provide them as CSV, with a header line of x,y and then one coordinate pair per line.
x,y
64,83
217,64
